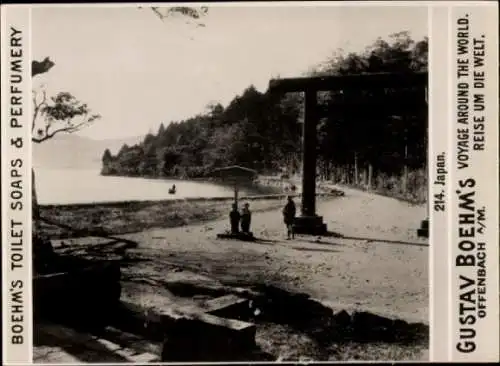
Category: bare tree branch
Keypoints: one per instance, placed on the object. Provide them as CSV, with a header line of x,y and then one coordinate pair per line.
x,y
38,107
67,126
185,11
64,113
157,12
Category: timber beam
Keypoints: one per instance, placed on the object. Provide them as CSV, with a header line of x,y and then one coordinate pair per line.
x,y
360,81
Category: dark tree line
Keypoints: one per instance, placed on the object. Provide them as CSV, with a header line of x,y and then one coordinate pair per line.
x,y
382,143
385,137
255,130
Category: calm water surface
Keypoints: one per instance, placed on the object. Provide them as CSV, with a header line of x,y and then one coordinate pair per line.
x,y
86,186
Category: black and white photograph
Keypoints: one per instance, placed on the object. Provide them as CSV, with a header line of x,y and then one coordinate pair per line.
x,y
230,182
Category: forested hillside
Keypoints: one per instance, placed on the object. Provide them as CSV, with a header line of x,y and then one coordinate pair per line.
x,y
381,145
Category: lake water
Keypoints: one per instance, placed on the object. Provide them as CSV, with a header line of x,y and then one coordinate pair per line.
x,y
86,186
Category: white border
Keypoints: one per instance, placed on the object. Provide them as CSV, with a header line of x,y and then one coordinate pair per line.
x,y
433,294
18,16
279,4
451,182
29,290
430,210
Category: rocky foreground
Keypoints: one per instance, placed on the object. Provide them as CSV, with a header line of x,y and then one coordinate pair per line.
x,y
372,261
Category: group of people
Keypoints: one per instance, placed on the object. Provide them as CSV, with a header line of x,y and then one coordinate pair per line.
x,y
244,218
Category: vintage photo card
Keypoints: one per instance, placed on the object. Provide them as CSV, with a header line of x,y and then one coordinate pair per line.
x,y
250,182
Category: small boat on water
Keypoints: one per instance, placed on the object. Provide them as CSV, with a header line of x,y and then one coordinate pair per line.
x,y
172,190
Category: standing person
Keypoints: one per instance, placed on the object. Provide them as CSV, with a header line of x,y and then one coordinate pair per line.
x,y
289,212
234,219
246,217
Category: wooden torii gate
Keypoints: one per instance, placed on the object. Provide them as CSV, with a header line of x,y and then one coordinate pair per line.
x,y
309,222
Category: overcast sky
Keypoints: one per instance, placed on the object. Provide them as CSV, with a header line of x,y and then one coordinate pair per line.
x,y
137,71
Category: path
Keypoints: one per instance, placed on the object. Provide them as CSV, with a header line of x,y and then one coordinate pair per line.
x,y
379,265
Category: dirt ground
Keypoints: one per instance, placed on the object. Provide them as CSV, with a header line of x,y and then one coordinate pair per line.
x,y
377,264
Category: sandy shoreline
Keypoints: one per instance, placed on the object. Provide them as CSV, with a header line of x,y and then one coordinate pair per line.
x,y
70,220
378,263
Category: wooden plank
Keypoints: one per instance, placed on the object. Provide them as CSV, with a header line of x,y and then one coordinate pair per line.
x,y
224,302
208,338
237,236
87,347
218,304
129,340
160,322
365,81
48,354
134,356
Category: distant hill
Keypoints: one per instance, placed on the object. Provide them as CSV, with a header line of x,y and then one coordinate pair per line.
x,y
76,152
